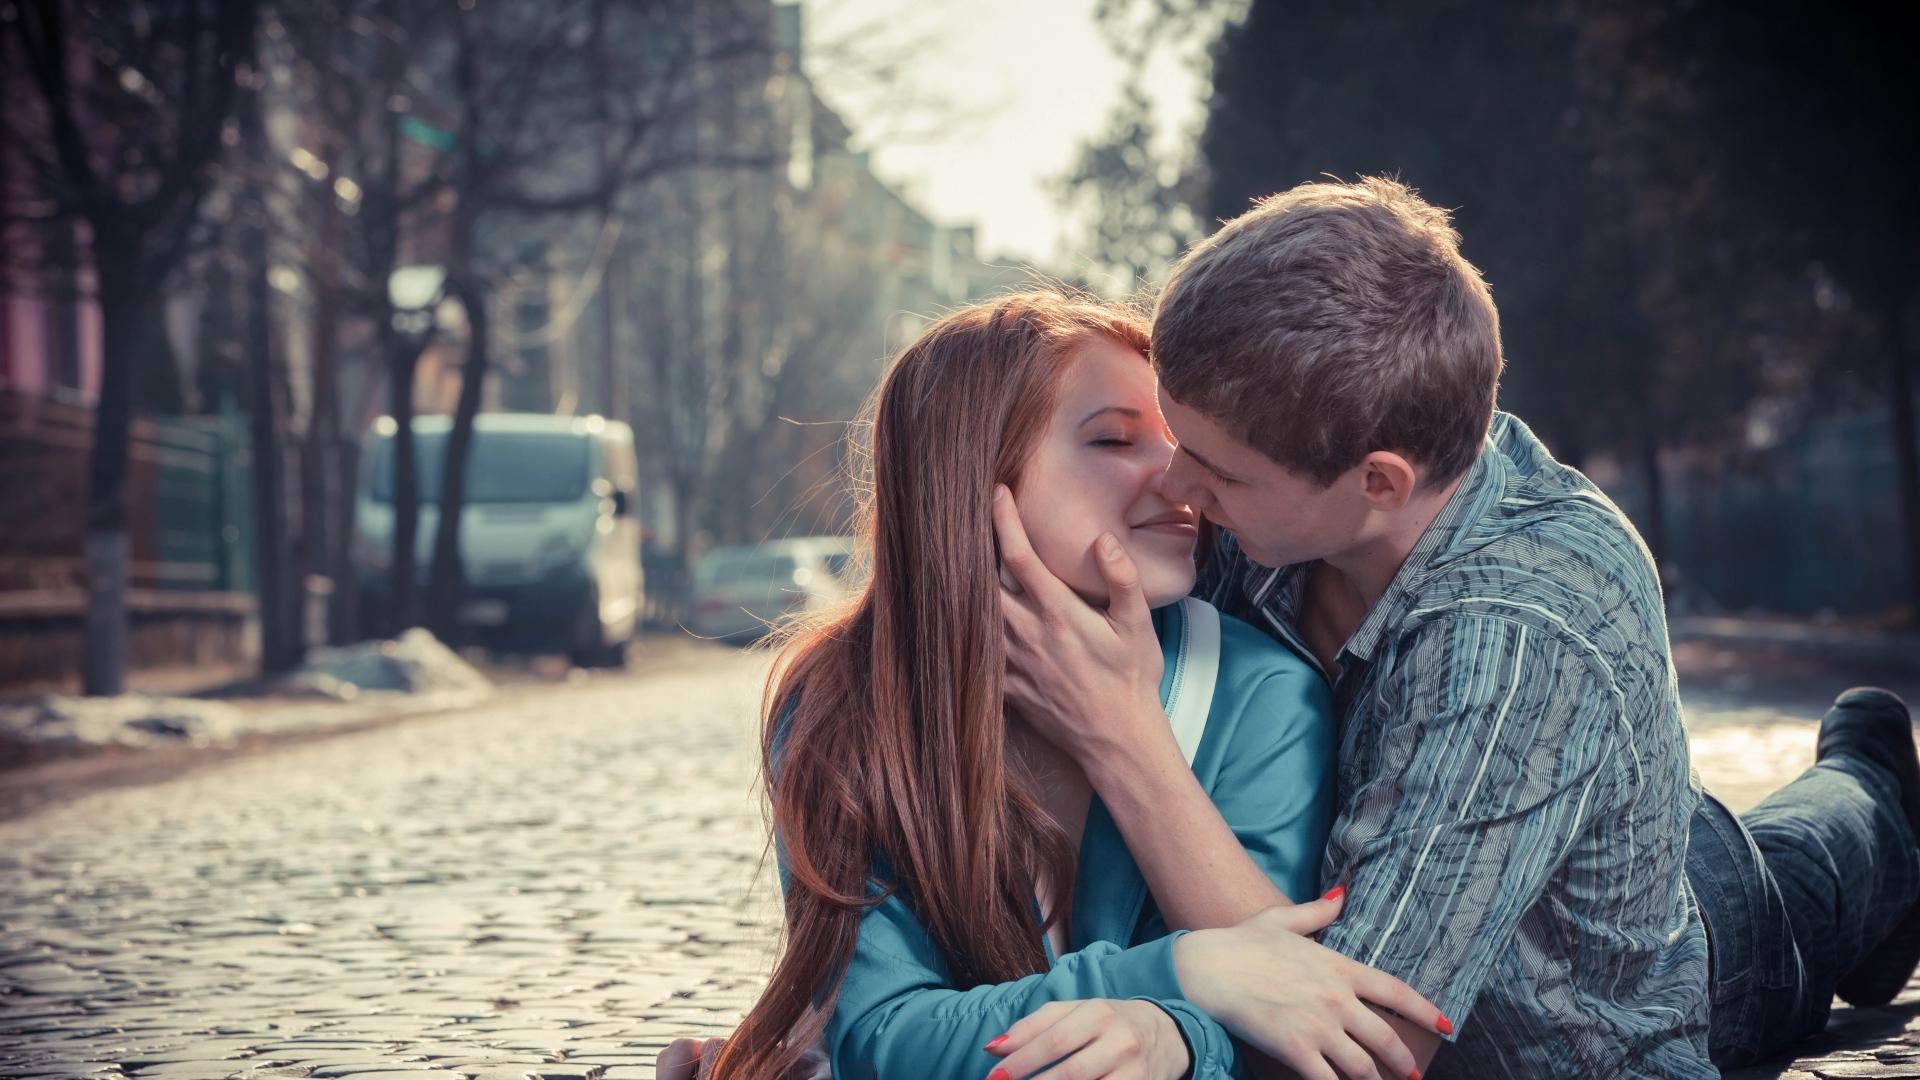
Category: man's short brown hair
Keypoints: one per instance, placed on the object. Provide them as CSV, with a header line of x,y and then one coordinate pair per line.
x,y
1331,321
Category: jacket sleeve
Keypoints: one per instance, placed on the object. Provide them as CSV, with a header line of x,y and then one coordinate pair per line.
x,y
1276,782
899,1015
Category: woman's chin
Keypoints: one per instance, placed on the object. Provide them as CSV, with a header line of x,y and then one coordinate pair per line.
x,y
1164,585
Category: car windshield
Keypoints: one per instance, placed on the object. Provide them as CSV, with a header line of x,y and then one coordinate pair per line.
x,y
502,467
726,566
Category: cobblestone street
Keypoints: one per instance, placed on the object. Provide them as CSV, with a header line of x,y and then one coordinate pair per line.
x,y
551,889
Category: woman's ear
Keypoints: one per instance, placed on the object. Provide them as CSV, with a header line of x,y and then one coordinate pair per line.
x,y
1389,479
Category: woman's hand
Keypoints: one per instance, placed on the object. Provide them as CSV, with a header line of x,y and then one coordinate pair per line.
x,y
1088,1040
686,1059
1302,1003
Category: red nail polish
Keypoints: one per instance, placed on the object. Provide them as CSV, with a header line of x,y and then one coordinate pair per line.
x,y
999,1074
1444,1027
996,1042
1416,1074
1335,893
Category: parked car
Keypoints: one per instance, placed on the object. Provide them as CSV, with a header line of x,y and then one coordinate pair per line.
x,y
739,592
549,538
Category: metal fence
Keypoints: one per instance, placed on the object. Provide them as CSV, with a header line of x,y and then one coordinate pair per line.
x,y
1808,524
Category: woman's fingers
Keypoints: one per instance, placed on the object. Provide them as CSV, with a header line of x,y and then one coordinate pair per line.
x,y
1309,918
1350,1058
1381,1041
1100,1059
1029,1026
679,1061
1382,989
1068,1030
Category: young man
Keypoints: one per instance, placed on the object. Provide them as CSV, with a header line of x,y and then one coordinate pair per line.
x,y
1516,803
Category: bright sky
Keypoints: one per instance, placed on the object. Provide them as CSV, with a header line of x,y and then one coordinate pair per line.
x,y
1021,83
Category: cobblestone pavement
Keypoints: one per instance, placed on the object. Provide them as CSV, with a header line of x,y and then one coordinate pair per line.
x,y
551,886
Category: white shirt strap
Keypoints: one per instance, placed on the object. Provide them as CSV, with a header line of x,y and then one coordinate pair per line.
x,y
1196,666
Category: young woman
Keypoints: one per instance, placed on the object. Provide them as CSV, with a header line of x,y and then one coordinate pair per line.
x,y
947,872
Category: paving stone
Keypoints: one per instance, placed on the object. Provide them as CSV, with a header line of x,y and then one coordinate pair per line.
x,y
550,886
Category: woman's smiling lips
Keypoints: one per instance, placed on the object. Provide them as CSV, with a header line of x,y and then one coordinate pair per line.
x,y
1178,521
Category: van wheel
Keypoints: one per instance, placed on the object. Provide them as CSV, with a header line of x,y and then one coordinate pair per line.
x,y
590,649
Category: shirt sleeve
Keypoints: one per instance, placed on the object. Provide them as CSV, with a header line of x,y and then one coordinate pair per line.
x,y
898,1013
1494,753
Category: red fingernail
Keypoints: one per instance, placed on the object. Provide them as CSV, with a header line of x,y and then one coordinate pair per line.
x,y
995,1042
999,1074
1444,1027
1416,1074
1335,893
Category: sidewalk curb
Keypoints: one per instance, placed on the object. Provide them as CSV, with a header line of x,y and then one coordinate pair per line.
x,y
1891,650
75,771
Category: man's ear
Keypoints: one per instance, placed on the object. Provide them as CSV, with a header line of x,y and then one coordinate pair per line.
x,y
1389,479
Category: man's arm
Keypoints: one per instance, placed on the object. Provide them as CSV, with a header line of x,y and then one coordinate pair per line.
x,y
1089,682
1500,754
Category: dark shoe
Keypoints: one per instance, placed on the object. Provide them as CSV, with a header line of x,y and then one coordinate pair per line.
x,y
1874,724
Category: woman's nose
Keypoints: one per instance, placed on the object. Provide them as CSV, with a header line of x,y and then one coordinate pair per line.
x,y
1176,484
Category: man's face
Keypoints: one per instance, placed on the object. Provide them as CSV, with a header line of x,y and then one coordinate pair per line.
x,y
1278,516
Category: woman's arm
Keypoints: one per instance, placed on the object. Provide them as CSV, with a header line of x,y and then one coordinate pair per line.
x,y
898,1013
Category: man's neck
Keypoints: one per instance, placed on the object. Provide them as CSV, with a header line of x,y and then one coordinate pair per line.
x,y
1363,572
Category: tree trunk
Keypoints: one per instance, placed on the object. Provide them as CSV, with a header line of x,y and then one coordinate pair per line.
x,y
448,576
279,645
1655,526
126,289
324,470
403,358
1906,455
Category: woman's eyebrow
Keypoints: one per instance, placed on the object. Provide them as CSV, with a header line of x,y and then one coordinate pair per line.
x,y
1121,409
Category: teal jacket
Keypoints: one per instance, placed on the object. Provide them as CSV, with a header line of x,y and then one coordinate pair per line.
x,y
1267,761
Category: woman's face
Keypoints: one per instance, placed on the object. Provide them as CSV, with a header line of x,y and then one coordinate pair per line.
x,y
1097,469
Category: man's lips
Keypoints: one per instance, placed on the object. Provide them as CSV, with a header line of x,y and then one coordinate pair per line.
x,y
1179,521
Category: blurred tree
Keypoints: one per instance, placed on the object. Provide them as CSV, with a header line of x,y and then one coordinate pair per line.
x,y
124,135
539,130
1765,148
1134,186
1475,104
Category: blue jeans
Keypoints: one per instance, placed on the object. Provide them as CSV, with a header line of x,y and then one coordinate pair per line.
x,y
1794,892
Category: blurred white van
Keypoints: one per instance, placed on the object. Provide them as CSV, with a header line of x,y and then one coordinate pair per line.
x,y
549,538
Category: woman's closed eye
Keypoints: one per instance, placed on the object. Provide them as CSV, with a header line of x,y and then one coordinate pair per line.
x,y
1111,440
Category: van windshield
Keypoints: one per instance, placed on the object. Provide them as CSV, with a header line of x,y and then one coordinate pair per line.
x,y
502,467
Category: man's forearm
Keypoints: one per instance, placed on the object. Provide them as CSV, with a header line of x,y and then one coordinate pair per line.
x,y
1199,874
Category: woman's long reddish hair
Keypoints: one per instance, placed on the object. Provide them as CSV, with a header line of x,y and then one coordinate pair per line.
x,y
894,742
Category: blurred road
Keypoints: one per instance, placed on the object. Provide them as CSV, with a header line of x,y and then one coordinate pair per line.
x,y
551,885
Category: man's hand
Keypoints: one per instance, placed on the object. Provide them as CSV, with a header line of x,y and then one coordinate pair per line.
x,y
1097,1039
1087,680
1310,1008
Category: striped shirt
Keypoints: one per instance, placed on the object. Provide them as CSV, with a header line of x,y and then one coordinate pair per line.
x,y
1514,787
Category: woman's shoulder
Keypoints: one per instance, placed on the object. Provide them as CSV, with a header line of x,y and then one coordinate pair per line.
x,y
1247,652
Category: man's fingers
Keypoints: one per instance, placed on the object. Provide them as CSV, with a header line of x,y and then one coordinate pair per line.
x,y
1016,554
1126,600
1388,992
